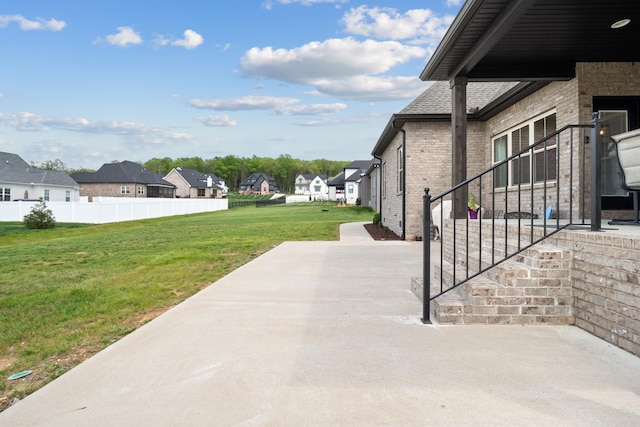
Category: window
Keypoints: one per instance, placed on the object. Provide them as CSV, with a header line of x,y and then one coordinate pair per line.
x,y
125,189
350,188
5,194
201,192
317,188
67,196
140,190
46,195
536,166
400,169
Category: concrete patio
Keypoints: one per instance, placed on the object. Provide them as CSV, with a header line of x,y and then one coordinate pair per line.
x,y
328,333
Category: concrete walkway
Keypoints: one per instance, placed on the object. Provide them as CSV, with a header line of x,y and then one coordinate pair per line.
x,y
327,333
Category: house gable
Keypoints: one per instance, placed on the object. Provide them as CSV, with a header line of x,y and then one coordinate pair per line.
x,y
18,180
253,184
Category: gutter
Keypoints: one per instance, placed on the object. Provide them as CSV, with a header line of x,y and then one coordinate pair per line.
x,y
379,189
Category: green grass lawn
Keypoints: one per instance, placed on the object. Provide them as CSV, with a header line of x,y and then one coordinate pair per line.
x,y
68,292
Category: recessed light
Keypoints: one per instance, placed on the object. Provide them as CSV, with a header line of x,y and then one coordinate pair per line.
x,y
621,23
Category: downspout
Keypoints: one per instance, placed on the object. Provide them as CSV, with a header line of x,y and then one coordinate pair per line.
x,y
404,181
379,189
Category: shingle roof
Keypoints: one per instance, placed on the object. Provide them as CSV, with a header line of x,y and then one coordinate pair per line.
x,y
337,181
437,98
196,178
123,172
254,180
310,176
484,100
359,164
15,170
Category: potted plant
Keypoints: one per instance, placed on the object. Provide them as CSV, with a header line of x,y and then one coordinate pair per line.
x,y
472,207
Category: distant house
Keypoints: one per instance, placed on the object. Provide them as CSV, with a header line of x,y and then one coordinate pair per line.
x,y
312,185
19,181
193,184
353,174
258,183
336,187
124,179
369,186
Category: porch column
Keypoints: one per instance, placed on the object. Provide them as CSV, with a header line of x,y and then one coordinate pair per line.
x,y
459,144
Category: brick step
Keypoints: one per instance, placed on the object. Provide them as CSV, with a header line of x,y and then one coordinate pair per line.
x,y
537,256
531,288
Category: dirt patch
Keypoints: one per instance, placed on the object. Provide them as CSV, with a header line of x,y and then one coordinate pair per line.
x,y
380,233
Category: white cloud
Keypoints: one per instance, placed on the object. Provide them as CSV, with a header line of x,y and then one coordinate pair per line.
x,y
30,122
388,23
190,40
333,58
372,88
28,24
124,37
221,120
269,3
283,106
330,67
311,109
245,103
159,40
452,3
2,95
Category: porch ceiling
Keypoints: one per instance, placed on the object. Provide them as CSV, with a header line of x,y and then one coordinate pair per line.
x,y
520,40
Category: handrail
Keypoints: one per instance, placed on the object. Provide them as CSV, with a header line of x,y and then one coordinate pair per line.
x,y
518,200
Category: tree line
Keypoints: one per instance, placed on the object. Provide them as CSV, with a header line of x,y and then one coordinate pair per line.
x,y
234,169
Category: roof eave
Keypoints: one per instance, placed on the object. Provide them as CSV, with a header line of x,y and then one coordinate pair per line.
x,y
469,8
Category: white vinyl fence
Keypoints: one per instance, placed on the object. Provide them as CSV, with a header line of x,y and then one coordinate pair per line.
x,y
113,209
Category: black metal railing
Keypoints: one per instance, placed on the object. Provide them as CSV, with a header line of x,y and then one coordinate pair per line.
x,y
522,201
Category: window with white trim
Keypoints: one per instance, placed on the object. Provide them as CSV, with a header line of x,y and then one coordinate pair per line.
x,y
537,166
5,194
141,190
67,196
124,189
46,195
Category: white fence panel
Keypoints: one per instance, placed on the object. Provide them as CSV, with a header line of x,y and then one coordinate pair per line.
x,y
114,209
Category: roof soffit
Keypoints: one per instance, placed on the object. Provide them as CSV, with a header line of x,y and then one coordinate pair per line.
x,y
538,40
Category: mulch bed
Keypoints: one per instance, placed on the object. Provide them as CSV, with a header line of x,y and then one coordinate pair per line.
x,y
379,233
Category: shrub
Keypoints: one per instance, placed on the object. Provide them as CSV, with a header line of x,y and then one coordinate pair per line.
x,y
376,218
40,217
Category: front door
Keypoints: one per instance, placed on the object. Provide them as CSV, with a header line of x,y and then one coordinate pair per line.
x,y
618,114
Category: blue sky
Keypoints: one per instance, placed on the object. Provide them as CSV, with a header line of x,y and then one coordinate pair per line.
x,y
89,82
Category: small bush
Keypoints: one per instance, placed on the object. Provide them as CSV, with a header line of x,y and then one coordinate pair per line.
x,y
40,217
376,218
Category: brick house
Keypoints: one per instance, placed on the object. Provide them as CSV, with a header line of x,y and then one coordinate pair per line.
x,y
553,65
258,183
415,147
191,183
123,179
